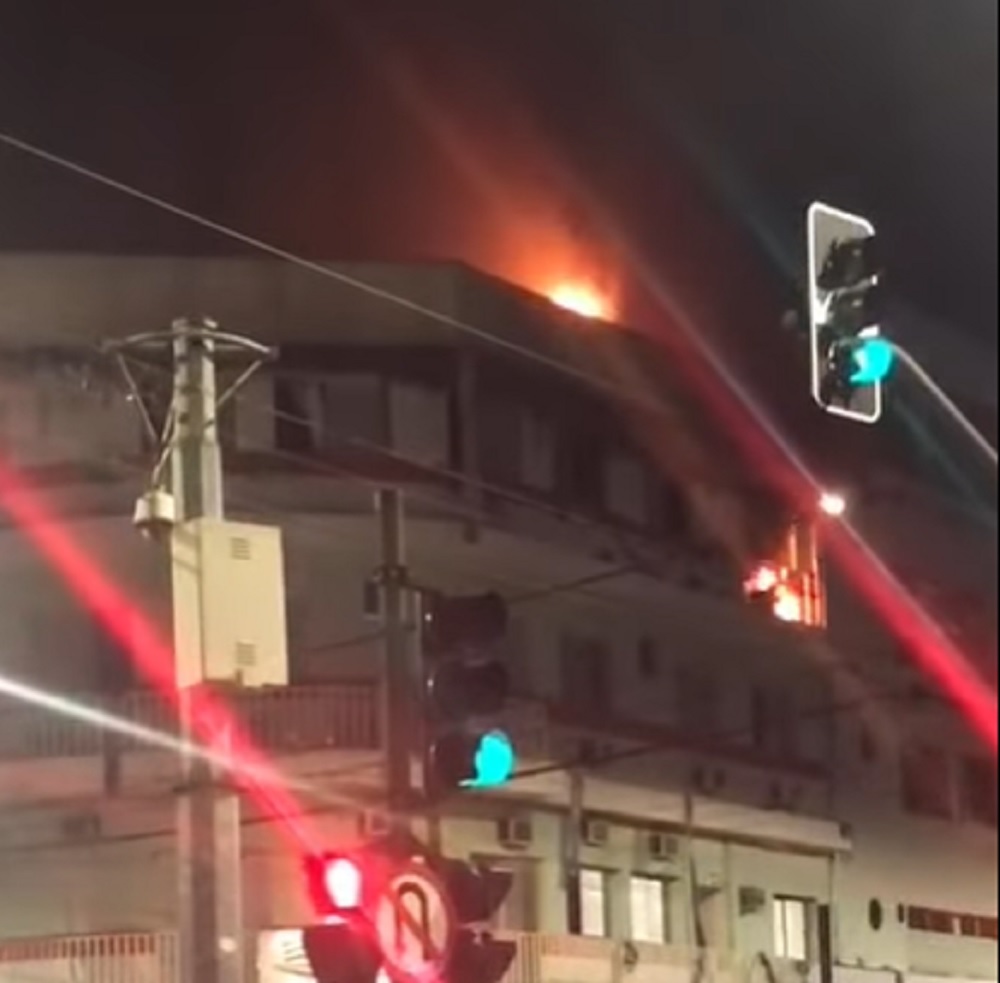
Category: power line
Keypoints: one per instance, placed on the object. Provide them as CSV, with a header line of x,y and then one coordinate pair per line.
x,y
827,710
330,273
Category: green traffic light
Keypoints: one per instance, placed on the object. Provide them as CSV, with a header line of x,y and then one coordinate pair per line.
x,y
872,360
495,761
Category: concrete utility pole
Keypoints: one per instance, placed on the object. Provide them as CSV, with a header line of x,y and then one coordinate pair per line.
x,y
210,909
397,675
208,813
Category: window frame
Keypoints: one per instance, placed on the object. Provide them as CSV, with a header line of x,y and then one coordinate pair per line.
x,y
604,881
648,881
780,904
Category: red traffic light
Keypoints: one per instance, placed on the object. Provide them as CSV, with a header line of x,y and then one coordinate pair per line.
x,y
336,884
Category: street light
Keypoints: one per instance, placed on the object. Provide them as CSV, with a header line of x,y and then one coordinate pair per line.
x,y
833,504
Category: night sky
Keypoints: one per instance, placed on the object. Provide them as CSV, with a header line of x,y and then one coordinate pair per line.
x,y
560,137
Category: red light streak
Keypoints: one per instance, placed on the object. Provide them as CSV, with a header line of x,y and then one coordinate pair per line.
x,y
153,657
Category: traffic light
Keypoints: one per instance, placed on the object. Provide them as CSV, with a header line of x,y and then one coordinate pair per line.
x,y
466,688
476,892
343,888
849,357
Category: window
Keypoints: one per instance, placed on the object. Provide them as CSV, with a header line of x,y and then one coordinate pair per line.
x,y
791,928
930,920
594,903
697,703
295,415
772,721
584,674
648,909
419,424
352,408
627,489
647,658
926,783
581,466
979,791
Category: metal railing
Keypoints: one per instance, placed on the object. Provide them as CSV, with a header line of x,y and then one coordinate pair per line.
x,y
129,957
283,720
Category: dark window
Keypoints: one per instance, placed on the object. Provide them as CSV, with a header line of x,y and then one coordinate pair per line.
x,y
581,466
647,658
867,747
672,514
978,790
584,668
293,427
930,920
772,723
698,703
926,783
876,915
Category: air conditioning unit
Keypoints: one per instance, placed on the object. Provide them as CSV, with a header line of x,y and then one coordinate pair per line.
x,y
751,899
595,832
514,832
663,846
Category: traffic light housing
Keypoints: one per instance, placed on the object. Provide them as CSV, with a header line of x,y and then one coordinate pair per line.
x,y
849,358
342,953
476,891
466,686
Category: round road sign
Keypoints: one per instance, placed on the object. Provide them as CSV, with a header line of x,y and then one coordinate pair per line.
x,y
415,924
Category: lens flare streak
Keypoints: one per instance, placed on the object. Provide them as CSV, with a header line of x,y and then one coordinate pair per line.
x,y
153,657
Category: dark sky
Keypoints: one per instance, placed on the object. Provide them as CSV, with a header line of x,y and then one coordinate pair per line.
x,y
532,138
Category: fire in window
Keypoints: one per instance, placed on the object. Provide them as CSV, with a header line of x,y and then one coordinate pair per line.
x,y
786,594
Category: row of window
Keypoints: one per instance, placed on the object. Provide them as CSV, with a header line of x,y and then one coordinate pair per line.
x,y
951,923
650,904
939,785
523,448
695,695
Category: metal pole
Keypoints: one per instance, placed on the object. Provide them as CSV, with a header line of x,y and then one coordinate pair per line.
x,y
396,675
574,829
208,813
949,405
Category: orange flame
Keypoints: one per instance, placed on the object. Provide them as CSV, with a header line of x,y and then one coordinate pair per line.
x,y
580,299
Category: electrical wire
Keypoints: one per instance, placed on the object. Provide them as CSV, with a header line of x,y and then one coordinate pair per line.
x,y
328,272
717,743
333,274
656,407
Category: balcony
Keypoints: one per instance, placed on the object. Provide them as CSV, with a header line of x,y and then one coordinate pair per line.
x,y
282,721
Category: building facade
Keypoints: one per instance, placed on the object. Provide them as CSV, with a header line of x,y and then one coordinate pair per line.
x,y
745,774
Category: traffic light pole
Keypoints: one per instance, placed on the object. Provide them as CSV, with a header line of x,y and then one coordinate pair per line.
x,y
396,675
208,813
